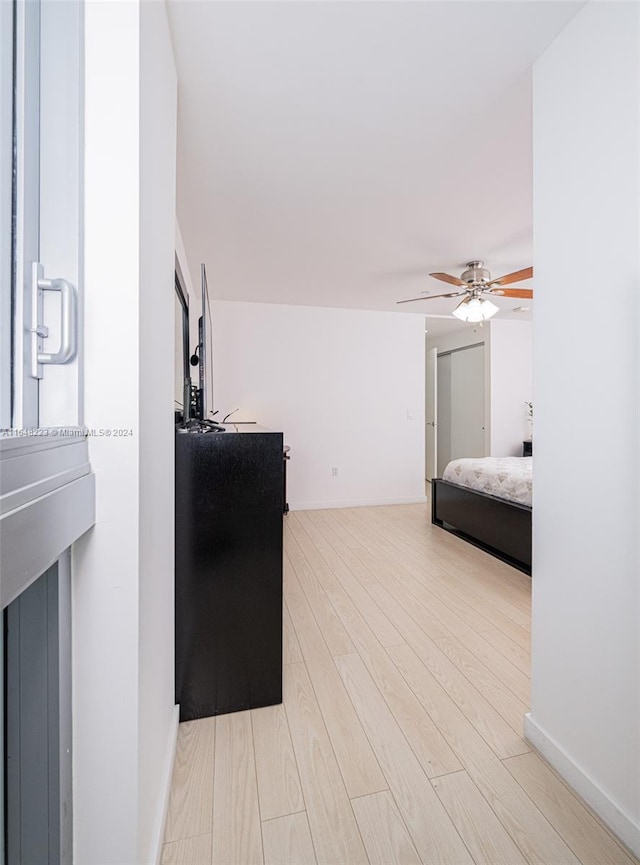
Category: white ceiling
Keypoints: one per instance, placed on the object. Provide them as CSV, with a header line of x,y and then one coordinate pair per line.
x,y
334,153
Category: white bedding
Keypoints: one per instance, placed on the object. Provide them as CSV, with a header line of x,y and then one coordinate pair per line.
x,y
505,477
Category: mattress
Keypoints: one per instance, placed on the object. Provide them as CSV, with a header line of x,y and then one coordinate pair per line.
x,y
508,478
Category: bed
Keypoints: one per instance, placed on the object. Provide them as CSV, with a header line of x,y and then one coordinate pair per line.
x,y
488,503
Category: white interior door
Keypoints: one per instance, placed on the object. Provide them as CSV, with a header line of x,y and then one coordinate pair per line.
x,y
431,413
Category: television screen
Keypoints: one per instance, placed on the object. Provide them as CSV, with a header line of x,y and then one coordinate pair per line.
x,y
206,352
181,364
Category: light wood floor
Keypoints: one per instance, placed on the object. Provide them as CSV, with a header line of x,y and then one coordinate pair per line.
x,y
400,736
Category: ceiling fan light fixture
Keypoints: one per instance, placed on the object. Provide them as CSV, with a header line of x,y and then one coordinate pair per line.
x,y
474,309
488,309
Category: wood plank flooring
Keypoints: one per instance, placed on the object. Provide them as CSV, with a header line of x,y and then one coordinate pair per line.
x,y
399,740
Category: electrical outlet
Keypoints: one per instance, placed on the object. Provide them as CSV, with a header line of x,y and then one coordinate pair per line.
x,y
334,471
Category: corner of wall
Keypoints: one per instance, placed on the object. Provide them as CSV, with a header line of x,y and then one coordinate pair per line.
x,y
622,824
157,836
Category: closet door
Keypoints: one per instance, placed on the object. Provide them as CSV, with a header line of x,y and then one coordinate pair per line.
x,y
467,402
444,412
461,405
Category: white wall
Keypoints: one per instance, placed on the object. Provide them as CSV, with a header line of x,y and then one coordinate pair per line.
x,y
157,718
105,566
585,706
511,362
123,569
339,383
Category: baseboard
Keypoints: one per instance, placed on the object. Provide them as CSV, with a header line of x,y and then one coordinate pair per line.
x,y
165,789
623,825
355,503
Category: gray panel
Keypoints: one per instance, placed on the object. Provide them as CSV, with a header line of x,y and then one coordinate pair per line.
x,y
2,745
31,467
55,521
29,723
39,812
52,726
12,731
65,707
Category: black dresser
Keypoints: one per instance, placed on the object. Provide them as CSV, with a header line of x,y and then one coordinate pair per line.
x,y
229,505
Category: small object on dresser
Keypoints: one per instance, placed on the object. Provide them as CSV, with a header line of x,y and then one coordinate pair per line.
x,y
527,448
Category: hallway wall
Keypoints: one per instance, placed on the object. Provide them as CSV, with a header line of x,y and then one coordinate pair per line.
x,y
585,665
124,720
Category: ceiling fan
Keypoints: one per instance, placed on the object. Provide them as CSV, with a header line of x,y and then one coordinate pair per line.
x,y
475,282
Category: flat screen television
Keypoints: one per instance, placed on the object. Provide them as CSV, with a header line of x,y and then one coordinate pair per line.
x,y
205,366
199,398
182,394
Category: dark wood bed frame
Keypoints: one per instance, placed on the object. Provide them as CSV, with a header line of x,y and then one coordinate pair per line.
x,y
499,527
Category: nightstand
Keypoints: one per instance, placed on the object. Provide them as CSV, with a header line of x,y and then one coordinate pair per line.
x,y
527,448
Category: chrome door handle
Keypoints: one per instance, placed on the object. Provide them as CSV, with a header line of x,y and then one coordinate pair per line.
x,y
68,321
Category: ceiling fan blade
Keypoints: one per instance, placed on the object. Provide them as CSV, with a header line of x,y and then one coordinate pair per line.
x,y
432,296
516,276
445,277
511,292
